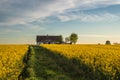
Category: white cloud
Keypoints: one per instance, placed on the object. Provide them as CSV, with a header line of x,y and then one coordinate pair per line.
x,y
28,29
99,36
22,16
87,4
89,17
100,17
34,27
92,35
33,10
11,30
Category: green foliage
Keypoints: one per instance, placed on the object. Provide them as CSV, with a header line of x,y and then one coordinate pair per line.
x,y
28,72
67,39
73,38
53,66
108,42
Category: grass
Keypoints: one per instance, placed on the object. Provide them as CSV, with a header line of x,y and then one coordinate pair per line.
x,y
47,65
44,64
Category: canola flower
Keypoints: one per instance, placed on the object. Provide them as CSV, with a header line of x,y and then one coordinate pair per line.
x,y
11,61
105,58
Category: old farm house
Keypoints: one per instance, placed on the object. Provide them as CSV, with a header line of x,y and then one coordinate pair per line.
x,y
48,39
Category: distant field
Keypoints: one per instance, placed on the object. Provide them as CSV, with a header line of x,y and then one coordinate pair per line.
x,y
11,61
59,62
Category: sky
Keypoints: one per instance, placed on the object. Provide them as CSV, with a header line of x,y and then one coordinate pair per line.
x,y
95,21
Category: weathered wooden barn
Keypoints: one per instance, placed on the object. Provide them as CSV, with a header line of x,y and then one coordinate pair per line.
x,y
48,39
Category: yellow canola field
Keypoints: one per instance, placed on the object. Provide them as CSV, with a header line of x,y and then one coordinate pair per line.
x,y
105,58
11,61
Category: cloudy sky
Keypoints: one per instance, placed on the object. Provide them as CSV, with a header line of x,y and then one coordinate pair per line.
x,y
95,21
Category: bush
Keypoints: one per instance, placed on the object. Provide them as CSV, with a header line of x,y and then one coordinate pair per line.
x,y
108,42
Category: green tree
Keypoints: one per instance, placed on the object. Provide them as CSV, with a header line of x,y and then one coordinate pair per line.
x,y
73,38
67,39
108,42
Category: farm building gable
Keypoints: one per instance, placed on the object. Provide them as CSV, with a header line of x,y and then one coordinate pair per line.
x,y
47,39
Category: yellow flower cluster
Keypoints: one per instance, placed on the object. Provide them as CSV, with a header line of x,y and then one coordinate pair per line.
x,y
105,58
11,61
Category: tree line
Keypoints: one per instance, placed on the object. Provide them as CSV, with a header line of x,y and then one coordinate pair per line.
x,y
72,39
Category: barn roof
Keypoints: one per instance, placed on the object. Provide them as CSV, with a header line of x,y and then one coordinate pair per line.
x,y
47,38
